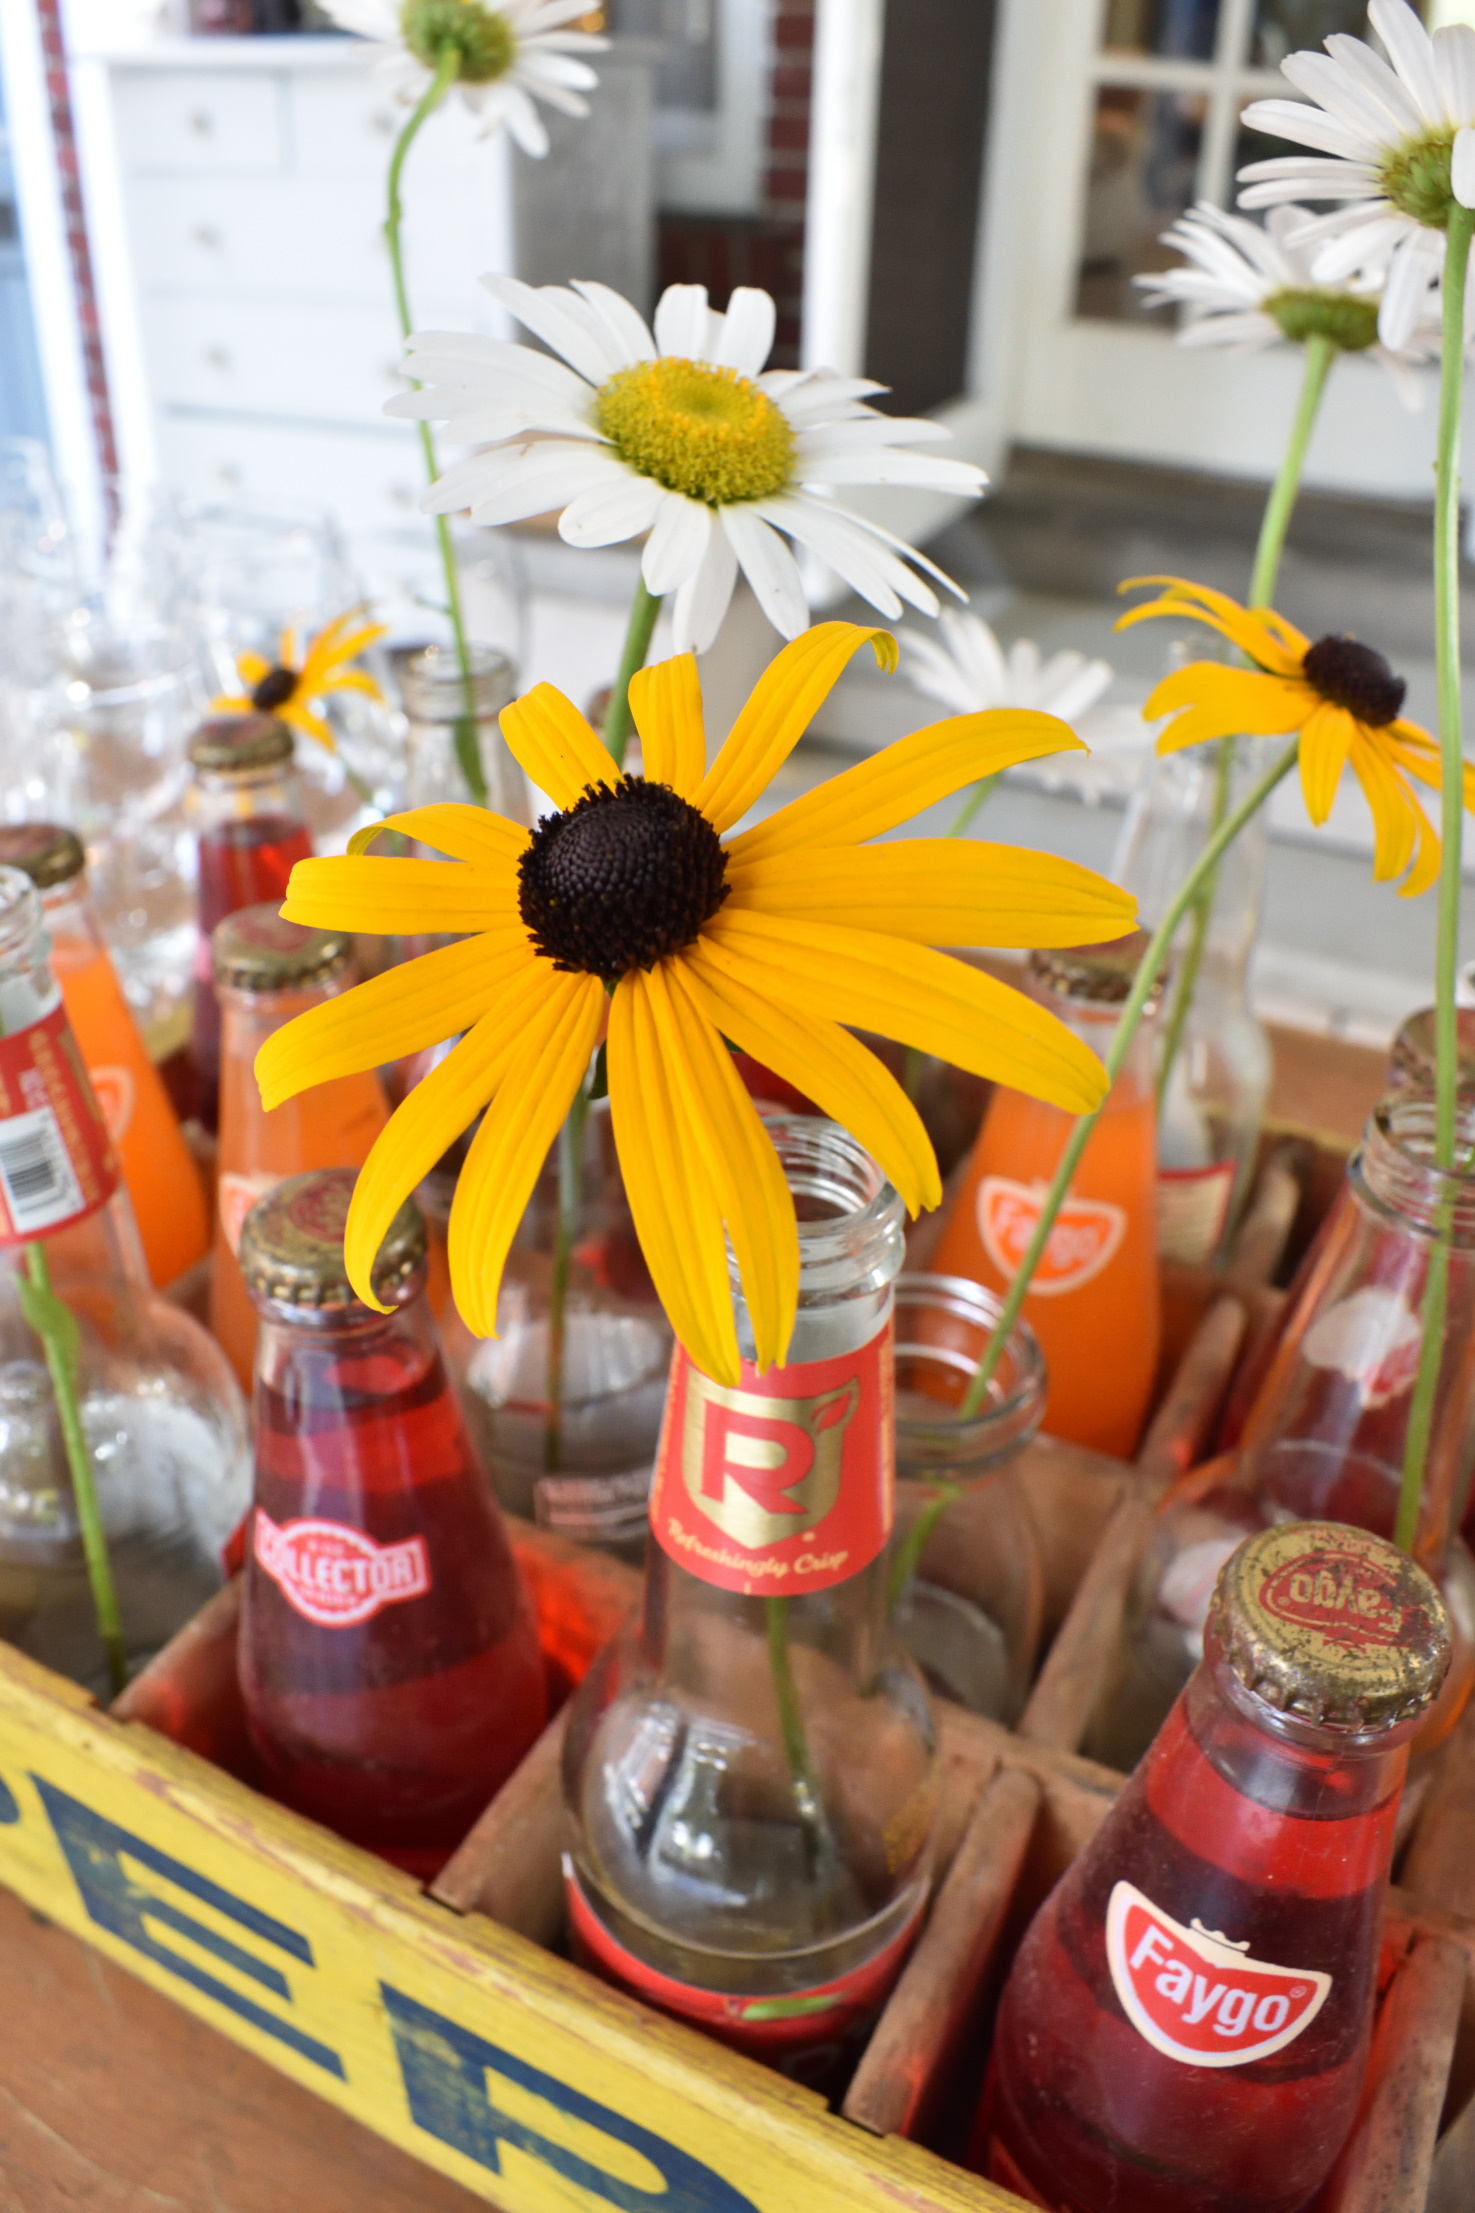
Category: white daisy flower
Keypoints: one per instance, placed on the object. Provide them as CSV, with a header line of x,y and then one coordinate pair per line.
x,y
1396,144
1250,287
682,434
509,55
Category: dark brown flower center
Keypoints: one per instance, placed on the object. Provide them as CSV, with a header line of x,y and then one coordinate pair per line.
x,y
1355,677
621,879
274,690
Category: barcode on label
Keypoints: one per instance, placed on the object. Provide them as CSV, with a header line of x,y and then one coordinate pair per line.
x,y
40,1185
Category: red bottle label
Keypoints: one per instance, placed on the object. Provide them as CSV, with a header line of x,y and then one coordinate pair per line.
x,y
1086,1238
338,1577
56,1159
780,2030
1197,1996
784,1485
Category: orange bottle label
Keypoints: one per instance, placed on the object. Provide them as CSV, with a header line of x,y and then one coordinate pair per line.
x,y
1085,1239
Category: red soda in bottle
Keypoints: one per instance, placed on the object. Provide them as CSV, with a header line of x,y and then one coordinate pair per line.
x,y
389,1655
1186,2026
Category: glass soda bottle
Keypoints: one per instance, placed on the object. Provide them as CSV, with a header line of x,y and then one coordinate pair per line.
x,y
160,1409
1094,1303
750,1774
163,1182
1186,2025
389,1654
1325,1437
266,971
433,692
246,803
1214,1099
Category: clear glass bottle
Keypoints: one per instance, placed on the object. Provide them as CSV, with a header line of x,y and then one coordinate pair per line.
x,y
1214,1100
161,1411
972,1621
1186,2026
1325,1437
247,808
434,696
163,1183
389,1652
1094,1302
577,1460
750,1773
267,971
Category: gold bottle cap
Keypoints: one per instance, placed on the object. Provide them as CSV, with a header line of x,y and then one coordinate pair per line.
x,y
1101,975
255,950
1332,1625
291,1249
239,745
48,853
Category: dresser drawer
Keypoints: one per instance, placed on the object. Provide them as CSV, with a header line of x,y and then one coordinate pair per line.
x,y
318,238
322,362
367,480
177,121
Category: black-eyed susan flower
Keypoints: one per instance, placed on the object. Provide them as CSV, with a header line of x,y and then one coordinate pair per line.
x,y
296,691
635,906
1339,695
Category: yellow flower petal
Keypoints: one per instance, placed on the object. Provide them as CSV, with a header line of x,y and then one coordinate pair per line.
x,y
433,1116
1229,702
899,782
555,745
508,1151
252,668
348,680
309,722
1395,812
746,1173
672,1200
779,710
287,648
1265,636
402,1011
842,1076
939,891
1326,742
666,702
467,833
233,703
379,896
912,994
1417,754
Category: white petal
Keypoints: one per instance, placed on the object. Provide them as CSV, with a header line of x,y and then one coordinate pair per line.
x,y
1249,329
542,66
610,512
627,327
1358,60
522,120
892,465
932,670
853,551
818,394
747,331
769,567
1411,54
680,535
976,649
682,320
563,321
871,430
516,482
703,599
1070,684
1407,381
1306,126
1346,100
532,17
1408,283
489,364
1462,166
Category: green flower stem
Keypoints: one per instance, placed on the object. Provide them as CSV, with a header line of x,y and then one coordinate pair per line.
x,y
1148,969
975,799
643,611
907,1557
57,1330
1451,828
1320,353
566,1228
467,736
817,1843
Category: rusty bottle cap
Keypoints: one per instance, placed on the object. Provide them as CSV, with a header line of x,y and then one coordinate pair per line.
x,y
291,1249
1331,1625
1099,975
48,853
255,950
241,745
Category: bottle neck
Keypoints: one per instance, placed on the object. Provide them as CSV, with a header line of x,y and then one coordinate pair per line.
x,y
1394,1173
1164,833
1094,1022
434,691
218,801
71,925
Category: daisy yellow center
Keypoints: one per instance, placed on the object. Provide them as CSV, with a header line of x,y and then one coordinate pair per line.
x,y
1416,177
1350,323
1353,676
623,878
484,41
709,433
274,690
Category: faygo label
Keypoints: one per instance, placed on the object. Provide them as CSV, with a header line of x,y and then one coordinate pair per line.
x,y
338,1577
1085,1239
783,1484
1371,1338
116,1094
1341,1594
1199,1998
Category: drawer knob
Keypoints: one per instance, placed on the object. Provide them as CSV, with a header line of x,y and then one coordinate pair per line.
x,y
202,123
383,123
217,357
207,238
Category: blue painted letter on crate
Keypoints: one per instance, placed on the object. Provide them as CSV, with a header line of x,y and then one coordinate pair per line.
x,y
116,1901
445,2070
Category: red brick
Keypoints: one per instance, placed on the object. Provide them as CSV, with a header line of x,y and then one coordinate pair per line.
x,y
794,34
791,81
789,133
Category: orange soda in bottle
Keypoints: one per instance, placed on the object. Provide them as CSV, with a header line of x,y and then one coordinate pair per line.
x,y
163,1182
1094,1302
265,972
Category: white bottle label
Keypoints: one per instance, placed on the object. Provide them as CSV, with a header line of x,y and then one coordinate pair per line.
x,y
1192,1208
1197,1997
